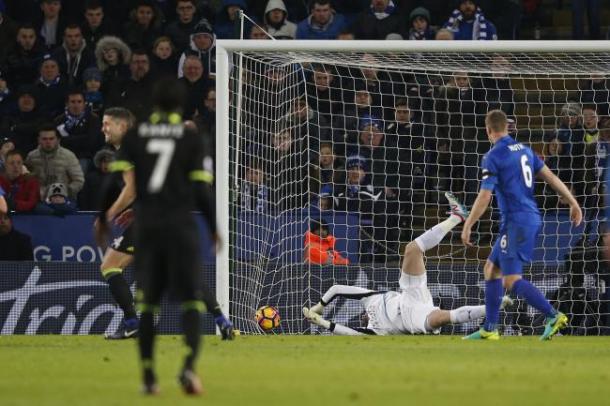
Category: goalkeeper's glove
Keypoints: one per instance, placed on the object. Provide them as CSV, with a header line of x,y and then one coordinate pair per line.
x,y
225,326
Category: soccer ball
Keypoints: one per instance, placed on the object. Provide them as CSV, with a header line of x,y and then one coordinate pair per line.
x,y
268,317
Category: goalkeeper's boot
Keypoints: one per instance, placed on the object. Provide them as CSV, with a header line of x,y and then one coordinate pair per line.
x,y
506,301
315,318
483,334
190,382
457,208
128,329
225,326
149,386
553,325
317,308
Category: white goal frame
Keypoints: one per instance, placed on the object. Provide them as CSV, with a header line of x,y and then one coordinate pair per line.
x,y
224,48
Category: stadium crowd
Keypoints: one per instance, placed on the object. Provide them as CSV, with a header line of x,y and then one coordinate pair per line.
x,y
369,133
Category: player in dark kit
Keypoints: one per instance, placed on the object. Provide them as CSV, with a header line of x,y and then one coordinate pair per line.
x,y
167,158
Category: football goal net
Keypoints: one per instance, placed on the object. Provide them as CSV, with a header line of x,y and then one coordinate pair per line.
x,y
332,155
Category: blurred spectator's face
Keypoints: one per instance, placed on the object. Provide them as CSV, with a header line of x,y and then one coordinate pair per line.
x,y
326,203
93,85
595,78
255,176
500,65
144,15
355,175
300,109
403,114
468,9
276,16
163,50
210,100
48,141
322,80
139,66
444,35
369,72
6,147
57,199
555,147
371,136
420,24
572,121
14,166
111,56
327,158
589,118
26,38
461,81
346,36
232,12
258,33
379,5
282,141
362,98
5,224
51,9
321,13
203,41
26,103
113,129
104,166
193,69
186,11
73,39
94,17
49,70
76,104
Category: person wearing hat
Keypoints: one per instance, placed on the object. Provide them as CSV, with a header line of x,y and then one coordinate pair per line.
x,y
227,20
378,20
57,202
88,196
320,246
571,134
92,78
113,57
203,46
22,189
419,25
52,87
276,21
22,125
467,22
24,57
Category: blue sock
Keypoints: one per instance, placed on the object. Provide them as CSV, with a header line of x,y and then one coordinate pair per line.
x,y
131,323
533,297
493,300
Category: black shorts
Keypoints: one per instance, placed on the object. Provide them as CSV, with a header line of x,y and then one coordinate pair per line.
x,y
168,261
125,242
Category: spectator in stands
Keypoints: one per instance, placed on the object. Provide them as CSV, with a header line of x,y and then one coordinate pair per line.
x,y
134,94
346,35
444,35
320,246
24,58
206,119
467,22
594,11
323,22
308,124
8,30
596,90
179,31
92,77
88,198
6,145
52,88
559,163
419,28
496,91
79,129
57,201
164,58
227,21
571,135
113,57
323,171
96,25
22,125
322,96
144,25
378,21
355,193
5,96
51,163
22,190
196,83
14,245
258,32
51,24
203,46
3,205
345,126
590,122
74,56
254,193
276,21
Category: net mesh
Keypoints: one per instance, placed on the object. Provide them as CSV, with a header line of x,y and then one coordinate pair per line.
x,y
364,145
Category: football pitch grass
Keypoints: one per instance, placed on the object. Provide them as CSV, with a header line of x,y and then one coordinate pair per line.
x,y
312,370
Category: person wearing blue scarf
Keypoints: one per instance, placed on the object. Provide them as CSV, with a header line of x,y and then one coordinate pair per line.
x,y
467,22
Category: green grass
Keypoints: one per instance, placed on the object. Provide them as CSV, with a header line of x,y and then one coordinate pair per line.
x,y
312,370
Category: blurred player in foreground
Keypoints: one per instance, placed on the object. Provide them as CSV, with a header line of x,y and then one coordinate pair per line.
x,y
509,169
411,310
167,159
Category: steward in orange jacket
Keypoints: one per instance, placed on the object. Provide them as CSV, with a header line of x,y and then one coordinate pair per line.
x,y
320,246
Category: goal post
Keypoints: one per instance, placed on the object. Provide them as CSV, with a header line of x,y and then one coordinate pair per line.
x,y
270,192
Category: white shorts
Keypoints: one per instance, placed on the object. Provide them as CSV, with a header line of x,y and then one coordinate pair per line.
x,y
403,312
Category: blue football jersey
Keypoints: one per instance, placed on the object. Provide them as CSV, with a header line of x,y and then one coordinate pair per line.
x,y
509,169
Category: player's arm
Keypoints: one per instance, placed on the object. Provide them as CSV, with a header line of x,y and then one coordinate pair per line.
x,y
477,210
202,182
126,197
562,190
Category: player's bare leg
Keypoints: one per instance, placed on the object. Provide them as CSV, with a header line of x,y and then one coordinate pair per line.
x,y
113,264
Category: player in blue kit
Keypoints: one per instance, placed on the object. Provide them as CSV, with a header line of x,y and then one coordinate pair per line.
x,y
509,169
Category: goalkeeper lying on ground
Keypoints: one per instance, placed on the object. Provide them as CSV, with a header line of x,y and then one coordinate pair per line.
x,y
409,311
